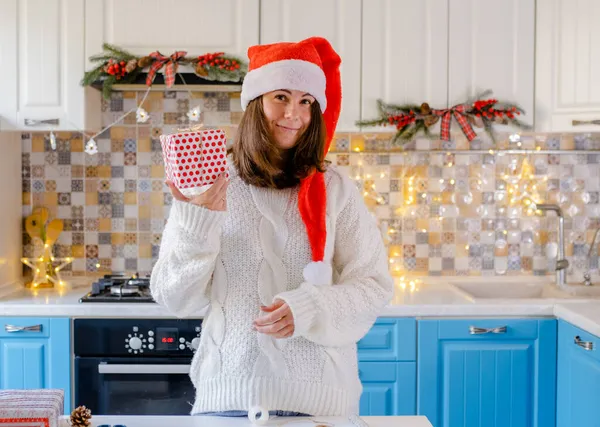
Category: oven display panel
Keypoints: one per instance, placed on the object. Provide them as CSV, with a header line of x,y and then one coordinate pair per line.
x,y
167,338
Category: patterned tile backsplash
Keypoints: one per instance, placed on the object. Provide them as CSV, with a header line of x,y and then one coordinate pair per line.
x,y
441,213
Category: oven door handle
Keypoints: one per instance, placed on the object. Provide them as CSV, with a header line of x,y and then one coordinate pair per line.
x,y
104,368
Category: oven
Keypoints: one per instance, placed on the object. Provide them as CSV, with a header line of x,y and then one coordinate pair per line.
x,y
135,366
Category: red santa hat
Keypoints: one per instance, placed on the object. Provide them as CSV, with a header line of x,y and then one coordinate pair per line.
x,y
311,66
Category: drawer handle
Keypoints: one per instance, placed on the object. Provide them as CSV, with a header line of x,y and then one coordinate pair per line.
x,y
34,122
585,122
586,345
13,328
474,330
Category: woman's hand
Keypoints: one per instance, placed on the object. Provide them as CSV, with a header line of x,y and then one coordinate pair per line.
x,y
215,198
279,322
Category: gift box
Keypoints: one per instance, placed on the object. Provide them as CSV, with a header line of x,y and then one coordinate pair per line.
x,y
194,160
31,408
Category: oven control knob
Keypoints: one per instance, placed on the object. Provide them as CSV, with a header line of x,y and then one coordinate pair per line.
x,y
151,346
181,346
135,343
196,343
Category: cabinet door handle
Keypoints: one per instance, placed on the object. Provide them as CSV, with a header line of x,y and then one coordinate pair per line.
x,y
586,345
585,122
13,328
474,330
35,122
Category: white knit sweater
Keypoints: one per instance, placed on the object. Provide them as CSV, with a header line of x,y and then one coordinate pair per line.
x,y
250,255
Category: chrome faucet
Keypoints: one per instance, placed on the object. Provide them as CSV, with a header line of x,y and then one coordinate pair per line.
x,y
561,262
587,277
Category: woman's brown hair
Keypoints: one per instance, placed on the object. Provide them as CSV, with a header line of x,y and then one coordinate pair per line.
x,y
262,163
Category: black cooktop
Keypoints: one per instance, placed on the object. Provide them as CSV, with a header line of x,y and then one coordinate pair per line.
x,y
120,288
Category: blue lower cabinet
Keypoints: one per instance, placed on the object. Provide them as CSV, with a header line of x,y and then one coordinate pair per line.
x,y
390,339
485,373
36,353
578,382
387,367
389,388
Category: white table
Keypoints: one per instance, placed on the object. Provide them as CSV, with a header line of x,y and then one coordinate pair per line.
x,y
189,421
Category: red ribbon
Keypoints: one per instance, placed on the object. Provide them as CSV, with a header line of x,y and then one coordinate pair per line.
x,y
458,111
170,63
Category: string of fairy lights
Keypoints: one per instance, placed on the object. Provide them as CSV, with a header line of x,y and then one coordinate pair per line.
x,y
516,190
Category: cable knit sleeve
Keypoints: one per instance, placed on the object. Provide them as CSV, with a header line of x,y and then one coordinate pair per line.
x,y
189,248
343,313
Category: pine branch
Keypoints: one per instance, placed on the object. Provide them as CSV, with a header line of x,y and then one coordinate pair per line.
x,y
489,129
404,108
117,52
519,124
478,96
375,122
91,76
107,86
101,58
410,134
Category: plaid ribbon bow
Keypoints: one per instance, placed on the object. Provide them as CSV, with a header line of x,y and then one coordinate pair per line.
x,y
459,114
170,67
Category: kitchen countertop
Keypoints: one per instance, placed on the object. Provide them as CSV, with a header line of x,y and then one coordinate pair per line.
x,y
413,298
188,421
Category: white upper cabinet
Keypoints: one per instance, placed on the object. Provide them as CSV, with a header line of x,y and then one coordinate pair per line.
x,y
568,65
445,51
404,53
492,46
195,26
41,53
339,22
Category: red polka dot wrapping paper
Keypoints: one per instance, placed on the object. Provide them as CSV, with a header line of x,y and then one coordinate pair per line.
x,y
194,159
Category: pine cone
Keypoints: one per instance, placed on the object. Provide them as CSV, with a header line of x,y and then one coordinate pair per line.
x,y
131,65
425,109
145,61
201,71
80,417
430,120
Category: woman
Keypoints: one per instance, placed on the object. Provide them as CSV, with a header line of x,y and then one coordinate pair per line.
x,y
285,253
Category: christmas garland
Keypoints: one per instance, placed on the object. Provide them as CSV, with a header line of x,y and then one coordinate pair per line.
x,y
411,120
116,65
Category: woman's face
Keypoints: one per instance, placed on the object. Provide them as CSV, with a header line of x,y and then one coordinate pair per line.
x,y
288,113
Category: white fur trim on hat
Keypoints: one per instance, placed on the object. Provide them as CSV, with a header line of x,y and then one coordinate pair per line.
x,y
292,74
318,273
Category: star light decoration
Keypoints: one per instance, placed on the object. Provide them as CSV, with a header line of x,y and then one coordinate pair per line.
x,y
46,269
522,186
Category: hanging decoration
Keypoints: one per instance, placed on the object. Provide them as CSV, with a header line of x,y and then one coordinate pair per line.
x,y
141,115
116,65
479,112
91,147
194,114
52,139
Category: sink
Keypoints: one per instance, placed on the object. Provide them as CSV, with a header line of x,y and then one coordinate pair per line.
x,y
510,289
581,291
